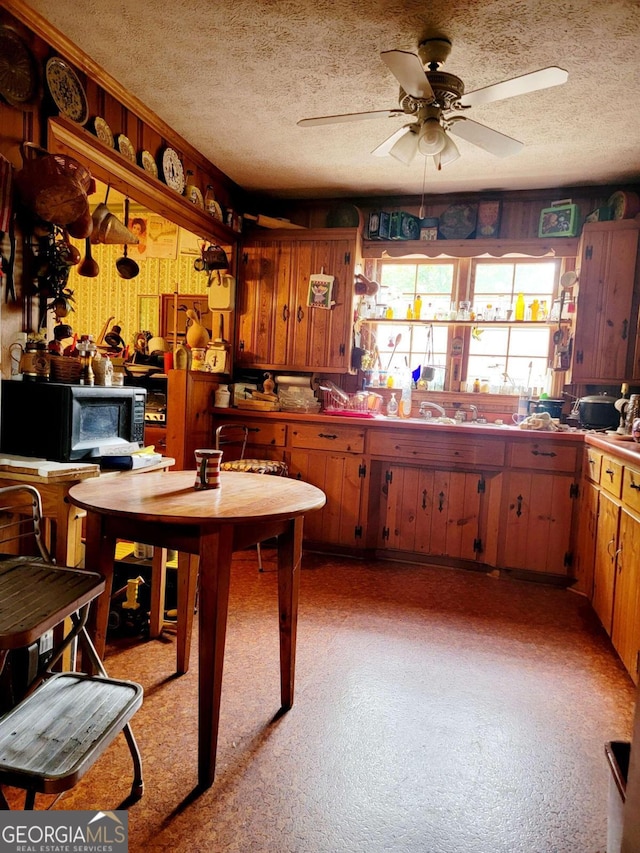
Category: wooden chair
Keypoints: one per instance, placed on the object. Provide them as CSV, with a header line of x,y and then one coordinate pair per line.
x,y
233,439
66,720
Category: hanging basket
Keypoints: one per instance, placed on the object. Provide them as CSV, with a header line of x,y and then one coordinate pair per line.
x,y
53,186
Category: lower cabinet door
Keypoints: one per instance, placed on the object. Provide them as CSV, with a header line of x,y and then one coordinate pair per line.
x,y
431,512
584,555
604,570
340,476
537,517
625,633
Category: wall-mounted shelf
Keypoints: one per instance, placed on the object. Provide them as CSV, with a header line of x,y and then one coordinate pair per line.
x,y
559,247
473,323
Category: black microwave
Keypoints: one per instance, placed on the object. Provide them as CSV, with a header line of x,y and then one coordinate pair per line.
x,y
66,423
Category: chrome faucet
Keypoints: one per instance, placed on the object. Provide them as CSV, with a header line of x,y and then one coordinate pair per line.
x,y
474,412
425,406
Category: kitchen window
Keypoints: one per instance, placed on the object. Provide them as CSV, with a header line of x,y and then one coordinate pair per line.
x,y
482,293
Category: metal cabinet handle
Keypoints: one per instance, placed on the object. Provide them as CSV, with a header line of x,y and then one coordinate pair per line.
x,y
327,435
609,544
300,314
441,497
285,313
519,500
424,499
543,453
634,485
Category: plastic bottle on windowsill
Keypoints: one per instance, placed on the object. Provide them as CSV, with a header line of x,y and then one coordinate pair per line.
x,y
392,406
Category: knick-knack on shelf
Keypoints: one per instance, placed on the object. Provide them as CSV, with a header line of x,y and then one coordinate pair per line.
x,y
268,383
197,335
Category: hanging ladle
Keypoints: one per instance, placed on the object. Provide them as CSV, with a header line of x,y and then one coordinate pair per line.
x,y
89,267
126,266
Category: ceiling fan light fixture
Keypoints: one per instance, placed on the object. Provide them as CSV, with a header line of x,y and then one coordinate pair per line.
x,y
432,138
406,147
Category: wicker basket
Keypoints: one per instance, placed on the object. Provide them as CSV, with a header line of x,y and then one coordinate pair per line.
x,y
53,185
65,369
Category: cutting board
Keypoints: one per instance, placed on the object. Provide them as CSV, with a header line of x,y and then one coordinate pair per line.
x,y
258,405
51,471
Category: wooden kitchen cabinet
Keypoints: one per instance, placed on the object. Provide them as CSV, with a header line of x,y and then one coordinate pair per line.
x,y
584,554
537,520
331,458
625,632
432,512
604,570
605,343
539,496
276,328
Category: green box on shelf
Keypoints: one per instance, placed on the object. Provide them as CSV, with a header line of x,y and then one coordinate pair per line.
x,y
561,220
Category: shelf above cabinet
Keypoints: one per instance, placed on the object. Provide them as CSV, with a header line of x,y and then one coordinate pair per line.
x,y
558,247
497,323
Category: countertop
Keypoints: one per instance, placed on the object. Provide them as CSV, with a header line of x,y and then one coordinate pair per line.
x,y
620,446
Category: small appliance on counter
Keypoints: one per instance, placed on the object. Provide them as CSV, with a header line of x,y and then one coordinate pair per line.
x,y
598,411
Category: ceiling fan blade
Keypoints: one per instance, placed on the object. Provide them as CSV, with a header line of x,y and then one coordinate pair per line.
x,y
385,147
310,122
484,137
543,79
407,69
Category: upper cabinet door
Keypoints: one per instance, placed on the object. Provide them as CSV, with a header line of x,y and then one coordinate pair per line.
x,y
605,333
278,324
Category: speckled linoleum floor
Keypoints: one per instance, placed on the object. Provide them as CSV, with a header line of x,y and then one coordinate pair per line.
x,y
437,711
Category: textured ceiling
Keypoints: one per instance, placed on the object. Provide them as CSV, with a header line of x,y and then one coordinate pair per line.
x,y
234,76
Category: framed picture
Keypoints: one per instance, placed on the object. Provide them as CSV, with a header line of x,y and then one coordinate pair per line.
x,y
559,221
162,238
488,219
320,289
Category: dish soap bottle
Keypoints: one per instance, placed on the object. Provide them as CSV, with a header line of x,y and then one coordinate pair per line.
x,y
520,307
392,406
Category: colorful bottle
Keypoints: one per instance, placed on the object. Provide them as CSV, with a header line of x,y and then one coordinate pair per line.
x,y
520,307
417,307
476,386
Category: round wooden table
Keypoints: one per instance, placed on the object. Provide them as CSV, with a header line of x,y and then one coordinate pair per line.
x,y
166,511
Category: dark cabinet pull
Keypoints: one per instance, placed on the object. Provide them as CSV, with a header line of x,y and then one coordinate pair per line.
x,y
440,501
609,472
625,327
300,314
519,502
634,485
285,313
327,435
543,453
424,499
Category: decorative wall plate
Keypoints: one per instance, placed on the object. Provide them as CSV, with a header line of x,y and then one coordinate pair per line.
x,y
173,170
458,222
126,148
148,163
66,90
103,131
17,69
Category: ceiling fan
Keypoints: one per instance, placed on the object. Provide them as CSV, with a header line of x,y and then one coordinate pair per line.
x,y
436,101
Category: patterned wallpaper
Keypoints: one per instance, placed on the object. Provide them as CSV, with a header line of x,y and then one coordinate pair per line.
x,y
109,295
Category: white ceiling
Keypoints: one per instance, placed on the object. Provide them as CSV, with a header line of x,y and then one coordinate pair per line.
x,y
234,76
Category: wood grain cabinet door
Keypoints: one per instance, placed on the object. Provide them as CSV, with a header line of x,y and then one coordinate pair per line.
x,y
432,512
584,555
604,570
537,513
341,477
605,331
625,633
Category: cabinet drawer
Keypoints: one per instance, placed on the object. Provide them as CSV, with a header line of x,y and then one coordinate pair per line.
x,y
323,437
422,447
593,464
611,476
543,455
631,489
261,432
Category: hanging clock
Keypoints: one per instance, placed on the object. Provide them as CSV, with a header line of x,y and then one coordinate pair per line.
x,y
172,170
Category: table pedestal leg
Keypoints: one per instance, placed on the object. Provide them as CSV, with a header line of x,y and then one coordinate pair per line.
x,y
215,568
289,560
100,555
